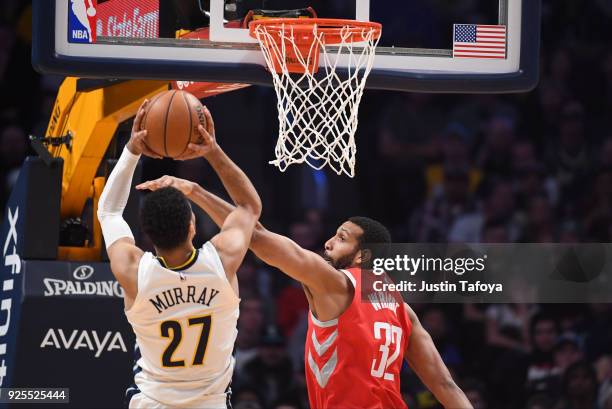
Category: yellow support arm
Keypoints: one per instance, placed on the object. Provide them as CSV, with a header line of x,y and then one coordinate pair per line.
x,y
92,118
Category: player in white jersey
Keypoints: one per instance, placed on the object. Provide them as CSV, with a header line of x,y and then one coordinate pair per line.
x,y
182,302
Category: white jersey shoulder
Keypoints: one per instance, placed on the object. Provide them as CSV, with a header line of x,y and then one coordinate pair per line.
x,y
185,326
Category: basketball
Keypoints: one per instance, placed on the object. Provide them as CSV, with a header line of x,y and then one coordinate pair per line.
x,y
171,120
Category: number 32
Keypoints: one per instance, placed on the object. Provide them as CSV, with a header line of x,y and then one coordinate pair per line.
x,y
393,335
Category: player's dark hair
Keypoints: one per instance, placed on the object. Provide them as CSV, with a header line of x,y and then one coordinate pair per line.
x,y
165,216
373,231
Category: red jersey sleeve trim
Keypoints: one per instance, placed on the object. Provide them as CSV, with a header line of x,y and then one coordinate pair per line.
x,y
350,276
323,324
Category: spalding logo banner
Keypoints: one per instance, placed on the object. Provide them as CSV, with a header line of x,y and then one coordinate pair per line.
x,y
58,279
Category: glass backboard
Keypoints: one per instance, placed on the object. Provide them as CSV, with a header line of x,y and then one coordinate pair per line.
x,y
474,46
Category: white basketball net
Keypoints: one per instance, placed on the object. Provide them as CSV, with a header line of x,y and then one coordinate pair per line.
x,y
318,112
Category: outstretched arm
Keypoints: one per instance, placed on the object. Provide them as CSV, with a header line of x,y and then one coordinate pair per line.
x,y
122,252
424,359
279,251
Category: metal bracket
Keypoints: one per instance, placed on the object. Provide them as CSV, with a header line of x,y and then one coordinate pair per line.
x,y
229,7
40,145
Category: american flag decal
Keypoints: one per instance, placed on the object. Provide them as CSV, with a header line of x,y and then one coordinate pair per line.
x,y
479,41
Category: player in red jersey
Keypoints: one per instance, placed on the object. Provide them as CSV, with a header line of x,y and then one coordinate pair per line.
x,y
354,349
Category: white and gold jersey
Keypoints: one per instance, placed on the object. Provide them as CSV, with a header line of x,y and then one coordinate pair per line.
x,y
185,325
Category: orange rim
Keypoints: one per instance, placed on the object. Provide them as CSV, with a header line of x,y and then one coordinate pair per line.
x,y
333,28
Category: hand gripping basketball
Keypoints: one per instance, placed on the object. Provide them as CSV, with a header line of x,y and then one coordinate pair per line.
x,y
209,141
136,144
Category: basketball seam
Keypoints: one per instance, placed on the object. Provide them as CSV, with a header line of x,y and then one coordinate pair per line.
x,y
148,147
166,124
190,123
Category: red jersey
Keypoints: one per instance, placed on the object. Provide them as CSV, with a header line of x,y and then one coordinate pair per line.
x,y
355,360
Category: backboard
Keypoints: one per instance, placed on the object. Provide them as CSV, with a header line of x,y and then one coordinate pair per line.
x,y
420,49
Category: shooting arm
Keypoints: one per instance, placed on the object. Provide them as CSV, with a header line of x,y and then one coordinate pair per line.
x,y
122,252
424,359
238,223
117,189
114,198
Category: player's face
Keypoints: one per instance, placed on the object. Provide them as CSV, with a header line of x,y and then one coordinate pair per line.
x,y
342,250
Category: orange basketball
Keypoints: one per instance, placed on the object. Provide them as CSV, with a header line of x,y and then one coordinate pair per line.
x,y
171,121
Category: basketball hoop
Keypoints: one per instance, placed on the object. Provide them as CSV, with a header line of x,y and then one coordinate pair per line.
x,y
317,103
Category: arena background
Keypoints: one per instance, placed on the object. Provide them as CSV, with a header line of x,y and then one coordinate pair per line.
x,y
533,167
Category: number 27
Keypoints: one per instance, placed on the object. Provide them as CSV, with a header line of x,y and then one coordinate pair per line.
x,y
177,336
393,335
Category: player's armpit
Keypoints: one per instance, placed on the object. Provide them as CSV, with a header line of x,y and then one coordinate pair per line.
x,y
424,359
124,259
232,242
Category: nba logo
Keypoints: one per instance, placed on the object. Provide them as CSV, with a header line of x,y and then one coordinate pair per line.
x,y
82,21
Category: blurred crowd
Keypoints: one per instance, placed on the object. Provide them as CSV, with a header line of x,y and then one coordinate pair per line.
x,y
534,167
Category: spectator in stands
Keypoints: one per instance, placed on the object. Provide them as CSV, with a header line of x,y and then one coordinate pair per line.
x,y
476,393
568,154
539,224
452,200
250,328
529,177
405,144
249,285
271,370
507,326
495,157
435,321
598,202
498,207
247,397
566,353
579,387
540,401
287,404
544,332
603,366
599,330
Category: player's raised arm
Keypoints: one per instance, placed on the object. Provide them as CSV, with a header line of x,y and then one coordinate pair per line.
x,y
233,240
122,252
424,359
279,251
